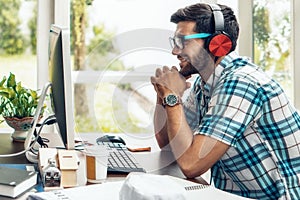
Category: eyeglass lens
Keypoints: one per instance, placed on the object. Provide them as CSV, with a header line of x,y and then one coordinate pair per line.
x,y
176,42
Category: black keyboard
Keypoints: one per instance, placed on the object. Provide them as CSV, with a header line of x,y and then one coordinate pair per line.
x,y
120,159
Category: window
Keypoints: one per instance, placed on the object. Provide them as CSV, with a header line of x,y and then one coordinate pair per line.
x,y
272,40
17,42
119,81
287,28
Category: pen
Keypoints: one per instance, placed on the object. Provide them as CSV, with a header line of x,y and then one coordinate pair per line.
x,y
140,149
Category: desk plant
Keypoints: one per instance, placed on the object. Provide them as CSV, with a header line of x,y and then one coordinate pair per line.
x,y
17,106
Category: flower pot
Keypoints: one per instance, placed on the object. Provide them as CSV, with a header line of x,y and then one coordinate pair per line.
x,y
20,126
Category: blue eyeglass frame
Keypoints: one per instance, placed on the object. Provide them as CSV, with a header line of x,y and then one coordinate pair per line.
x,y
196,35
187,37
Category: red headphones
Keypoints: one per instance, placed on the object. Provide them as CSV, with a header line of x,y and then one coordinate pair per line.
x,y
219,43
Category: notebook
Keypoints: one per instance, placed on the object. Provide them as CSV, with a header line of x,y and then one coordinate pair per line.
x,y
14,182
29,167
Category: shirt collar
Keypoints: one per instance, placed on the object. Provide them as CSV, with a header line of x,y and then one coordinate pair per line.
x,y
209,86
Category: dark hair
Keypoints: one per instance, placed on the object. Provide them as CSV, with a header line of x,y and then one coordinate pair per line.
x,y
203,16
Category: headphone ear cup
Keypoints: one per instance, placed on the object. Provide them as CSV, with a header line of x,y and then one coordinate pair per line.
x,y
219,44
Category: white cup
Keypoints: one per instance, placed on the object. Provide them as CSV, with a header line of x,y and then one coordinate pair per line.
x,y
96,163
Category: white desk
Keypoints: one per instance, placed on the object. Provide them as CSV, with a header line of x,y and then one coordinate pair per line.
x,y
156,161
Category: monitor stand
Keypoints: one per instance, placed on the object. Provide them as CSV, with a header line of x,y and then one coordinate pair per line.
x,y
30,140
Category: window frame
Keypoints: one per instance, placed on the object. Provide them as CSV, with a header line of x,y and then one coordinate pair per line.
x,y
246,45
49,12
296,51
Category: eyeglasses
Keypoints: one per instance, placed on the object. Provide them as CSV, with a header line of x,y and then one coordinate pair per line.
x,y
178,41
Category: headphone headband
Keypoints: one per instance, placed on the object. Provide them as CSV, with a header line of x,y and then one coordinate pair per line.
x,y
220,43
218,17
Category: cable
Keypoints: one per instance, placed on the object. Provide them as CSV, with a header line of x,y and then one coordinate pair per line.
x,y
41,141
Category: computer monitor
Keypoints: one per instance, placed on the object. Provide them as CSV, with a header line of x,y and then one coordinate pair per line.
x,y
61,83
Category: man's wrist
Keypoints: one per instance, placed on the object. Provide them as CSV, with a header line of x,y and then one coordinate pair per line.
x,y
171,100
159,100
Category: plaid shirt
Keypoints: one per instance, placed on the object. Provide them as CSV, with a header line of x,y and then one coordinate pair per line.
x,y
244,108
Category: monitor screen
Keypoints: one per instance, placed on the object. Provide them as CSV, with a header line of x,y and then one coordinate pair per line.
x,y
61,83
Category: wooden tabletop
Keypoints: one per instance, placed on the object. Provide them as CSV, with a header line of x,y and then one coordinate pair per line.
x,y
8,146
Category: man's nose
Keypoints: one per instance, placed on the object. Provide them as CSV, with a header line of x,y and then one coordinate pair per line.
x,y
176,51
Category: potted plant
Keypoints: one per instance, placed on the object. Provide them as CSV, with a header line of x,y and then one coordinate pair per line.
x,y
17,106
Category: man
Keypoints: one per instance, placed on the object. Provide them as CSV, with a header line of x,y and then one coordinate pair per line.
x,y
236,120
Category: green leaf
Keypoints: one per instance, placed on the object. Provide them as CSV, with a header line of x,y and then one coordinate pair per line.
x,y
11,93
19,88
34,94
4,93
2,82
11,81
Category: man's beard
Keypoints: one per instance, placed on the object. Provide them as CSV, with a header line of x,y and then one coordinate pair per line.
x,y
198,61
188,70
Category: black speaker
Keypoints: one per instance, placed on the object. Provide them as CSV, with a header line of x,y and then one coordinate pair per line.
x,y
219,43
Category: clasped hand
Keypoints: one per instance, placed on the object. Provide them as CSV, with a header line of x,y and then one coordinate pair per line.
x,y
168,80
